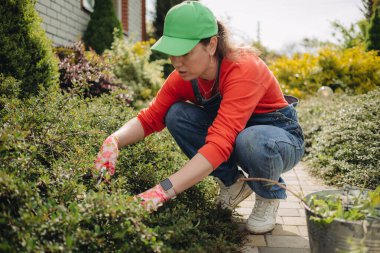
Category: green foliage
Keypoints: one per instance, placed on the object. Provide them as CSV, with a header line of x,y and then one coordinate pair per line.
x,y
350,70
369,7
88,74
343,138
9,88
49,201
373,33
351,36
350,205
130,63
100,29
25,52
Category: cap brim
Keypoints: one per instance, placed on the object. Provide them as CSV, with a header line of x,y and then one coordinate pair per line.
x,y
174,46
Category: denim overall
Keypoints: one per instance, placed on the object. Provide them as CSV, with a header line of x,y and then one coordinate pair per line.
x,y
271,143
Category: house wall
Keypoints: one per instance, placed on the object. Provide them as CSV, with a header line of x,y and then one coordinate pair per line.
x,y
63,20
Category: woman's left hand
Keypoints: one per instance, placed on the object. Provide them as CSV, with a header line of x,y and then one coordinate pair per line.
x,y
153,198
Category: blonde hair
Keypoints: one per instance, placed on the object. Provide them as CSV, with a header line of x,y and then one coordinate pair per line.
x,y
225,48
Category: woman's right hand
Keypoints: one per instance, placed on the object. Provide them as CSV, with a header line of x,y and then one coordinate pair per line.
x,y
108,154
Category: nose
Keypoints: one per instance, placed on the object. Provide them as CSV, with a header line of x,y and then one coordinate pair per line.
x,y
176,61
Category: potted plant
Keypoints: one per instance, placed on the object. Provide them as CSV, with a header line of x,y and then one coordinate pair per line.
x,y
346,220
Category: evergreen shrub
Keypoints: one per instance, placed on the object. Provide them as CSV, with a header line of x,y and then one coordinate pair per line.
x,y
373,33
343,138
49,200
352,71
25,52
130,63
99,33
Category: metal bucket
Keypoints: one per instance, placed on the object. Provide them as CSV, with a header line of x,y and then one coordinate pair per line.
x,y
341,235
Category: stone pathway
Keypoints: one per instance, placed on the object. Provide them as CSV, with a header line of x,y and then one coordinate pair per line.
x,y
290,234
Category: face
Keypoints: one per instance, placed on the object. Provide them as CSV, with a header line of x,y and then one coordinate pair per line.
x,y
196,63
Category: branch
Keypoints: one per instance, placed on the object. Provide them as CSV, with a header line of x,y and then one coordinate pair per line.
x,y
299,196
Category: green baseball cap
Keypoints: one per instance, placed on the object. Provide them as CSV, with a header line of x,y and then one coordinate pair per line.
x,y
185,25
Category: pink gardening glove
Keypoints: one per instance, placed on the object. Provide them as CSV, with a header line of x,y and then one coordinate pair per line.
x,y
153,198
108,154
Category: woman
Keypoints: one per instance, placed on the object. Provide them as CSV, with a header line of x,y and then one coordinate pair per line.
x,y
225,109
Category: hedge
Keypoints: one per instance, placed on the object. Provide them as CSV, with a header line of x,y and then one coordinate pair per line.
x,y
343,138
49,201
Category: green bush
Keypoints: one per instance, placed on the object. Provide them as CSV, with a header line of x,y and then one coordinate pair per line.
x,y
88,74
342,138
49,201
130,62
373,33
99,32
25,52
351,70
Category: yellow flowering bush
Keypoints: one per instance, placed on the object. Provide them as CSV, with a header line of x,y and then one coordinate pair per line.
x,y
351,70
130,63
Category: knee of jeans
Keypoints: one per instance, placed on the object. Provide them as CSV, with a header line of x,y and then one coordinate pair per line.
x,y
173,114
254,148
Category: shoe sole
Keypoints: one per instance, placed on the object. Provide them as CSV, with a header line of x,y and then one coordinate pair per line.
x,y
260,232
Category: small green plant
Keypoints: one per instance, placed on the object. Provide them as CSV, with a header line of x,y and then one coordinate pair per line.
x,y
352,205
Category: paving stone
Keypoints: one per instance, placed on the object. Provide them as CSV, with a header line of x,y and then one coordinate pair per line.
x,y
248,249
287,241
282,250
255,240
295,205
294,220
292,198
292,182
302,212
285,230
289,212
313,187
303,230
279,220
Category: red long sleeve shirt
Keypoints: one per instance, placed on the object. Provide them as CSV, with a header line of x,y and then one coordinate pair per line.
x,y
246,85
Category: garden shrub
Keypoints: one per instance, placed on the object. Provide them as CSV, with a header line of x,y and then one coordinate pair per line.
x,y
130,62
351,70
25,52
373,32
49,201
87,73
342,138
100,29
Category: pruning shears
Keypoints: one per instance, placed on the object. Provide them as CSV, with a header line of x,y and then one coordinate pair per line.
x,y
103,172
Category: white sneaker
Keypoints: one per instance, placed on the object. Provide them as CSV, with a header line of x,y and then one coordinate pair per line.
x,y
263,216
230,196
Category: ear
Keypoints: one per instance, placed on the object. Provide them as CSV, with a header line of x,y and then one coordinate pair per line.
x,y
212,45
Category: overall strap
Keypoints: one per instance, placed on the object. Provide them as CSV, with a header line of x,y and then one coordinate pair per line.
x,y
197,93
194,84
